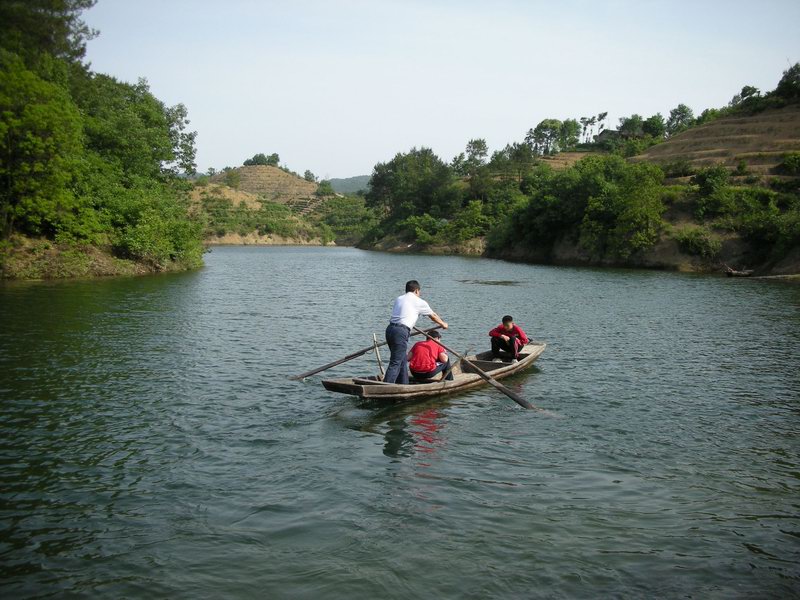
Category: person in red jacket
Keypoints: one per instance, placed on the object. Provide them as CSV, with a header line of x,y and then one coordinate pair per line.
x,y
427,359
507,338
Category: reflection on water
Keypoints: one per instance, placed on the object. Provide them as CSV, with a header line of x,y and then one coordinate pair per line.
x,y
151,444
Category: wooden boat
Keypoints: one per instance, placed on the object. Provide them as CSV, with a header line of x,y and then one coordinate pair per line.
x,y
463,378
734,273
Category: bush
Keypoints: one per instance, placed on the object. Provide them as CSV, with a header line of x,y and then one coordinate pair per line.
x,y
790,165
348,218
678,168
741,168
324,189
421,228
233,178
711,179
698,241
470,222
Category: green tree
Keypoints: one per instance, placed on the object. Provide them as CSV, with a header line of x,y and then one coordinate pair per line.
x,y
309,176
31,28
569,134
233,178
600,122
40,140
625,217
632,126
748,92
655,126
263,160
515,160
476,153
789,86
413,183
543,138
324,189
680,119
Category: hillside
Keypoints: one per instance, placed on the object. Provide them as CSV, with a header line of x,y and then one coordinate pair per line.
x,y
562,160
350,185
236,197
275,185
760,140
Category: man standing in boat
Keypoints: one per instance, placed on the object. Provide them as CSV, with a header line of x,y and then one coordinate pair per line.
x,y
405,312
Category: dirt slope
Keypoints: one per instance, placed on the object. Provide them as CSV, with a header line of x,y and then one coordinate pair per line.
x,y
237,197
562,160
759,140
272,184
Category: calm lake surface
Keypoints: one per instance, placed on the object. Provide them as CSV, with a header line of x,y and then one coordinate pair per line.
x,y
152,446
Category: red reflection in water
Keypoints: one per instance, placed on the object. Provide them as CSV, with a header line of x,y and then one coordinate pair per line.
x,y
427,430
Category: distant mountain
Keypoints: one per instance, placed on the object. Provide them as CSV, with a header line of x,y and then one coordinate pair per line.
x,y
350,185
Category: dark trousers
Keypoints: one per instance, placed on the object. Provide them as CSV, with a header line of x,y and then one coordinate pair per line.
x,y
397,338
440,368
499,345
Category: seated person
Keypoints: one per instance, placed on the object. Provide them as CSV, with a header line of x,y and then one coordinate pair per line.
x,y
427,359
507,338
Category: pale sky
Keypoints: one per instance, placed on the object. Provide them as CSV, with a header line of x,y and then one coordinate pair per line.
x,y
338,86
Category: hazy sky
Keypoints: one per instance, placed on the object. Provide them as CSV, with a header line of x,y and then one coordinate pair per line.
x,y
340,85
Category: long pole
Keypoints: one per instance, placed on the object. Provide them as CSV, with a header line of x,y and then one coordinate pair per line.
x,y
352,356
488,378
377,354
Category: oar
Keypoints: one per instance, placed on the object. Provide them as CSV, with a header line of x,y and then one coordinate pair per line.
x,y
488,378
378,354
452,366
353,355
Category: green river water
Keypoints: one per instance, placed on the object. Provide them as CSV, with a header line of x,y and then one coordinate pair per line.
x,y
152,445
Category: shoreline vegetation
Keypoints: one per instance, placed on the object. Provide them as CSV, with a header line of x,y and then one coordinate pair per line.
x,y
98,178
701,194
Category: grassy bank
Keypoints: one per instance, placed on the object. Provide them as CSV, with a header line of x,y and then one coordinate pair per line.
x,y
38,258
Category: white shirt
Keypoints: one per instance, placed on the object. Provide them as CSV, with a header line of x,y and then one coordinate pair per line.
x,y
407,308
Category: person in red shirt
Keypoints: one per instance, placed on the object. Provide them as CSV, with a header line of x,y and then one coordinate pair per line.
x,y
427,359
507,338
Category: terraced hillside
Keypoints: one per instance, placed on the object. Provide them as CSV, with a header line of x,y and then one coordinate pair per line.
x,y
562,160
275,185
760,140
236,197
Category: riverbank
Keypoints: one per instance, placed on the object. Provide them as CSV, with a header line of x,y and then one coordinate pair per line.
x,y
35,258
24,257
665,255
254,239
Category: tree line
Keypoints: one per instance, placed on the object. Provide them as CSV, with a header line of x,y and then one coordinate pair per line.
x,y
88,159
609,207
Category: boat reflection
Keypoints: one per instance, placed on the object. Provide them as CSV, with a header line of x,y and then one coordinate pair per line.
x,y
410,429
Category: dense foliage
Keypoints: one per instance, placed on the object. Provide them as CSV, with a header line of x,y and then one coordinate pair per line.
x,y
604,207
86,159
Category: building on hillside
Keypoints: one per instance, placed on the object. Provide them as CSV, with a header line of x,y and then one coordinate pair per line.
x,y
607,135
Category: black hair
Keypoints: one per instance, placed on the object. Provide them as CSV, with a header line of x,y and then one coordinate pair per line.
x,y
508,319
412,286
435,334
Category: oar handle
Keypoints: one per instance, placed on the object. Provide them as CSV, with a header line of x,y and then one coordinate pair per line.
x,y
353,355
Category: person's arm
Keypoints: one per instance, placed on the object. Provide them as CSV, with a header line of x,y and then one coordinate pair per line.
x,y
442,358
437,319
522,337
499,332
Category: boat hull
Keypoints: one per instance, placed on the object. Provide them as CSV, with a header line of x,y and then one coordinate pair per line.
x,y
463,379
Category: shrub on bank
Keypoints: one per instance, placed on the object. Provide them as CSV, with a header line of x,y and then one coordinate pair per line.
x,y
698,241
